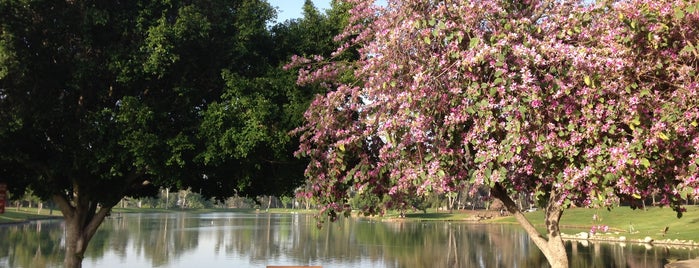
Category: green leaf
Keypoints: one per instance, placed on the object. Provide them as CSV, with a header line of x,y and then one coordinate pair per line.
x,y
587,81
474,42
679,13
645,92
427,40
636,121
645,162
687,49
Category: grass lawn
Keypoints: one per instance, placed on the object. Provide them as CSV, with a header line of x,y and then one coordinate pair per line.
x,y
623,221
211,210
12,215
175,210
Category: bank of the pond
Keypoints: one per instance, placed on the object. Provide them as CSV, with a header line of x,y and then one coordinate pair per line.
x,y
24,215
212,210
654,225
622,224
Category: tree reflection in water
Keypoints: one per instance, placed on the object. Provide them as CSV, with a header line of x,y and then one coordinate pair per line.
x,y
257,240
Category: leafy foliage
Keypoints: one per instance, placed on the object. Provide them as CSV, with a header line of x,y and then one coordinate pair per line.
x,y
577,103
104,100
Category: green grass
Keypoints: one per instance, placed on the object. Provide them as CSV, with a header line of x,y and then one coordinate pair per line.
x,y
430,215
623,221
288,210
439,216
12,215
212,210
175,210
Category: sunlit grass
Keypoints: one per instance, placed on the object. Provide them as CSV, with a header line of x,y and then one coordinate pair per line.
x,y
173,210
624,221
13,215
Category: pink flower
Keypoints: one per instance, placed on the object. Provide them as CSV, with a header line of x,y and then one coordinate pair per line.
x,y
536,103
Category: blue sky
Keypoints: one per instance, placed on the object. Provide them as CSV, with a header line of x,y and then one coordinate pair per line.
x,y
290,9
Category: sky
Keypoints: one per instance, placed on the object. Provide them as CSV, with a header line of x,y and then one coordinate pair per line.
x,y
291,9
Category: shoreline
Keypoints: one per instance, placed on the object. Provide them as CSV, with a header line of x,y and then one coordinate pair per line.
x,y
26,221
609,237
622,240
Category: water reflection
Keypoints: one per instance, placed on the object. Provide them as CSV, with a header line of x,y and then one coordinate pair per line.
x,y
257,240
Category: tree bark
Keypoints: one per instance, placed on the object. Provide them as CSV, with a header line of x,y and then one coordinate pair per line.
x,y
552,246
81,222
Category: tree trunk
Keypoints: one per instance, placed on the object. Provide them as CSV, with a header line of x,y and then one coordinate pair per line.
x,y
81,222
552,246
167,197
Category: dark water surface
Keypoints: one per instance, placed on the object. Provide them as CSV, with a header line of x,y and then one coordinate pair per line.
x,y
258,240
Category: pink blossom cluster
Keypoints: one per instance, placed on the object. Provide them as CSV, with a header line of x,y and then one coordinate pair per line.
x,y
590,103
599,228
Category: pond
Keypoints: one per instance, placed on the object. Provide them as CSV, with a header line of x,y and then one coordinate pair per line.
x,y
258,240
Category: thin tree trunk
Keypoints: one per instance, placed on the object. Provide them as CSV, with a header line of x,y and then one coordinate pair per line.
x,y
552,246
167,197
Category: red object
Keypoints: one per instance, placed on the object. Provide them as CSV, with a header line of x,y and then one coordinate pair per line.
x,y
3,194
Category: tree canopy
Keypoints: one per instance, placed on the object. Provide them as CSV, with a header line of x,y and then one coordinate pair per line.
x,y
104,100
574,102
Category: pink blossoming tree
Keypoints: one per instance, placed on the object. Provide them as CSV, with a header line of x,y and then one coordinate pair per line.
x,y
576,103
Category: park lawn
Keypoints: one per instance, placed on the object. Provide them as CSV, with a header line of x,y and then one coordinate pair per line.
x,y
433,216
175,210
12,215
624,221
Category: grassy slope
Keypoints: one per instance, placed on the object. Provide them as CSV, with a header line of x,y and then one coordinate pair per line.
x,y
12,215
623,221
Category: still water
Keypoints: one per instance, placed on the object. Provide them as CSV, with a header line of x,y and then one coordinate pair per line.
x,y
258,240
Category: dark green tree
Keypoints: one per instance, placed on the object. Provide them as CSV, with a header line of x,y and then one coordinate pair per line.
x,y
257,113
100,100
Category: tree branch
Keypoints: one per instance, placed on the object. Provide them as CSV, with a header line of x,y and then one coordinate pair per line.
x,y
66,208
499,192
